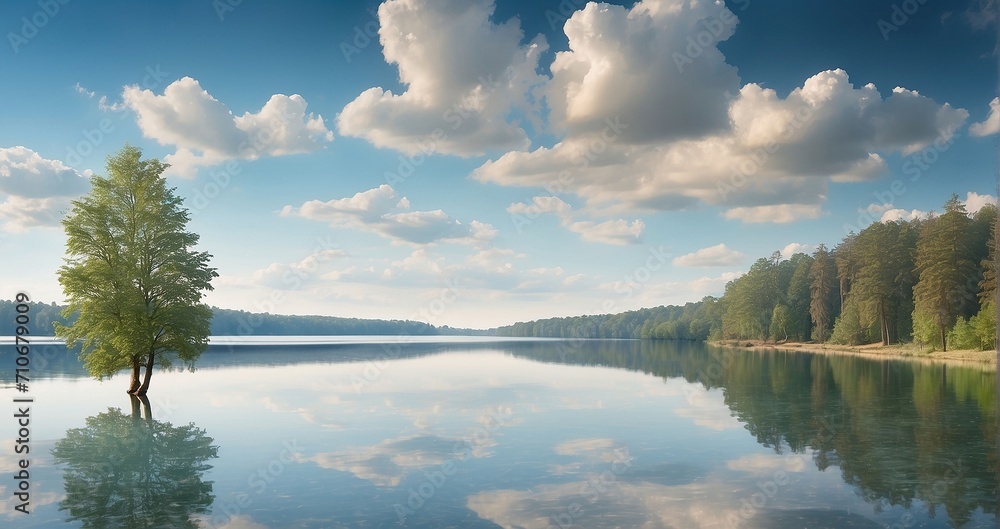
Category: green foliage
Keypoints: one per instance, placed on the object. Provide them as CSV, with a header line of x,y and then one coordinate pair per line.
x,y
978,332
946,263
799,298
130,273
881,269
849,328
693,321
925,331
824,300
781,322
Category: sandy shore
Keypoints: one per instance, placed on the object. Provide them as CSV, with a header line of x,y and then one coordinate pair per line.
x,y
876,350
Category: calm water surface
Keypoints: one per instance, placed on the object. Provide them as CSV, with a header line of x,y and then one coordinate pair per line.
x,y
514,434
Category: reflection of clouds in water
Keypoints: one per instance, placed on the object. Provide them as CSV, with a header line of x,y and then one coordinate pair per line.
x,y
40,457
583,504
600,448
769,463
240,521
707,409
701,505
662,496
573,403
38,499
387,463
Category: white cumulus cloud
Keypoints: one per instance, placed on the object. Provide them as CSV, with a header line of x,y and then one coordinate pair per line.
x,y
777,214
718,255
992,123
463,74
206,132
34,191
975,202
793,248
382,211
615,232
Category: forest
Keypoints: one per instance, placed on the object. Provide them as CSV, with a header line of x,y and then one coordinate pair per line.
x,y
931,280
226,322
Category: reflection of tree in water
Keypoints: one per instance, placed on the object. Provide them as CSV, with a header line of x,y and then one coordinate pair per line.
x,y
897,431
131,471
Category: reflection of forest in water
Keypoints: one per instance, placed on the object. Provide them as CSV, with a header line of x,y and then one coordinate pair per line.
x,y
898,431
128,470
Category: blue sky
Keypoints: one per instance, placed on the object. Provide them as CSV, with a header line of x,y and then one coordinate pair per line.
x,y
480,162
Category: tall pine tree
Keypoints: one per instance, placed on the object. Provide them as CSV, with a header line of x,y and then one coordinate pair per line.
x,y
824,292
944,264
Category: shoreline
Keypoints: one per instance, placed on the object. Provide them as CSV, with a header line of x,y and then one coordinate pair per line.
x,y
966,357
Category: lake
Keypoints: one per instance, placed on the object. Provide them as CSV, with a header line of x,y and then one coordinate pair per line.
x,y
507,433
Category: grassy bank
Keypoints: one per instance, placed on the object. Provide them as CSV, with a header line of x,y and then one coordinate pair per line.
x,y
876,350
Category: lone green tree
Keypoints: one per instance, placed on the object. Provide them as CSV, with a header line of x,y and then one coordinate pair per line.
x,y
131,274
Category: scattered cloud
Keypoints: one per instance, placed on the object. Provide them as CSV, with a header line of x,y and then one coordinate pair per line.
x,y
461,82
616,232
770,463
296,275
382,211
205,132
601,448
718,255
83,91
991,125
36,192
894,214
777,214
793,248
975,202
706,409
239,521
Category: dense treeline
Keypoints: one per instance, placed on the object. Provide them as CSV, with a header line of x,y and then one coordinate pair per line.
x,y
227,322
693,321
930,280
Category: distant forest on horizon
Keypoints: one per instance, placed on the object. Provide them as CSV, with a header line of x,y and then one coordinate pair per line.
x,y
227,322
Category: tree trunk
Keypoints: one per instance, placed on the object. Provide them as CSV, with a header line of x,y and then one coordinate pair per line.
x,y
147,411
148,375
133,386
944,344
883,326
135,407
